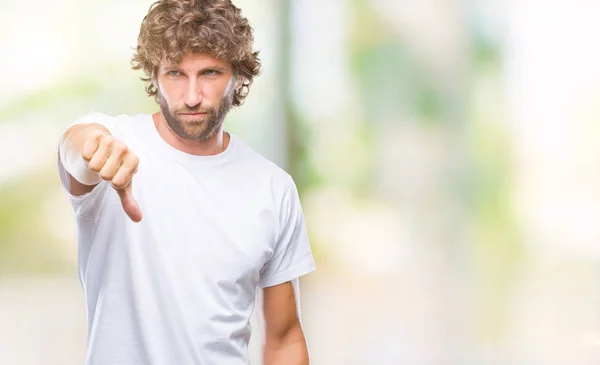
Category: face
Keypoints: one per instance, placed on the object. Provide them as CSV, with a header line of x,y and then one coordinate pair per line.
x,y
195,95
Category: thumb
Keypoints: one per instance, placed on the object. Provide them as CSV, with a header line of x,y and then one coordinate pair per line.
x,y
130,206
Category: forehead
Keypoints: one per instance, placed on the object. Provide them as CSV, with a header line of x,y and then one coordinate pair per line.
x,y
197,61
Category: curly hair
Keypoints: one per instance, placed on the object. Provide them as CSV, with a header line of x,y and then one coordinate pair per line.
x,y
172,28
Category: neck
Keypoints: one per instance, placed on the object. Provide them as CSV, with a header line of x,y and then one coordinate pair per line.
x,y
209,147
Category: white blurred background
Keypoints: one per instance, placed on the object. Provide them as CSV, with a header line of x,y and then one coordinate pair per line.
x,y
446,153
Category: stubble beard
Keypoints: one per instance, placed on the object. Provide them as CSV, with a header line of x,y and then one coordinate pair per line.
x,y
201,129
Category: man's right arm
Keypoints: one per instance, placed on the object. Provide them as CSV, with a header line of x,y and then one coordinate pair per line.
x,y
71,148
90,154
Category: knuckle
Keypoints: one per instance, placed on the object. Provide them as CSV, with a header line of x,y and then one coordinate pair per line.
x,y
97,134
86,155
105,175
108,141
89,147
94,167
119,183
100,138
118,147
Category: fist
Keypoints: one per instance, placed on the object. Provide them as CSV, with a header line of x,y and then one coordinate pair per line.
x,y
115,163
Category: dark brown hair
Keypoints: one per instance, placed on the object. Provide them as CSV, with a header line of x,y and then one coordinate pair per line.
x,y
172,28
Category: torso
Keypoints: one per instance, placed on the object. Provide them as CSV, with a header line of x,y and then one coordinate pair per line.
x,y
178,287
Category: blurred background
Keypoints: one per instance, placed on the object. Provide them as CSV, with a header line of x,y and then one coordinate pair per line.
x,y
446,154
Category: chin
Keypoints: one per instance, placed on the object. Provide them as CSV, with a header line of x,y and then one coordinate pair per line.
x,y
198,134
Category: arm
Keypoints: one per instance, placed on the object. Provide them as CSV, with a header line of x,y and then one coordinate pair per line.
x,y
90,154
71,148
285,343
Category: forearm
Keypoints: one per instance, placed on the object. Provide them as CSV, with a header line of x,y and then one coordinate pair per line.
x,y
289,350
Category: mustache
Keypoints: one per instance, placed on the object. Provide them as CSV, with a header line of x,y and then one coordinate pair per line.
x,y
193,110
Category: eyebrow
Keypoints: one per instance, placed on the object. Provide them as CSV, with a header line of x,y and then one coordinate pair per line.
x,y
216,68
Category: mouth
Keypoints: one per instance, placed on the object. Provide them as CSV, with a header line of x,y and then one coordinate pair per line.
x,y
193,114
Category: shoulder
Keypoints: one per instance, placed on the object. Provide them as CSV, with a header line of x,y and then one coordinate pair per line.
x,y
261,168
116,124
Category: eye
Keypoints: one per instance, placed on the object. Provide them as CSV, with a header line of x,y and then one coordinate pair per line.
x,y
173,73
211,72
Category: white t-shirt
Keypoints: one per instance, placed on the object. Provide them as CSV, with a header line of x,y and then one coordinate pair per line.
x,y
179,287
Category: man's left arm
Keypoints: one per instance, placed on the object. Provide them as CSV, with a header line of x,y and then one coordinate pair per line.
x,y
285,343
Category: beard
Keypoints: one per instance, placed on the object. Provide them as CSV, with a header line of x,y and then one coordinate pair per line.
x,y
204,127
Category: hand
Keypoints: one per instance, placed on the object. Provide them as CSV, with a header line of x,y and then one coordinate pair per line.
x,y
115,163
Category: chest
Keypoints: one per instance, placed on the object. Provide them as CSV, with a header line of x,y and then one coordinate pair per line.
x,y
211,225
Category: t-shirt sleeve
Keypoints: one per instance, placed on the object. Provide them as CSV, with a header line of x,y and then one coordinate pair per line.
x,y
88,204
292,256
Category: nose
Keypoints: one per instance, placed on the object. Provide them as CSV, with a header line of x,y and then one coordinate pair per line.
x,y
193,95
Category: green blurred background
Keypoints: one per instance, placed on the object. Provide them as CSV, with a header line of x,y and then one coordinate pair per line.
x,y
446,154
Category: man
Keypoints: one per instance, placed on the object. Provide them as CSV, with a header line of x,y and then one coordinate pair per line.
x,y
179,222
